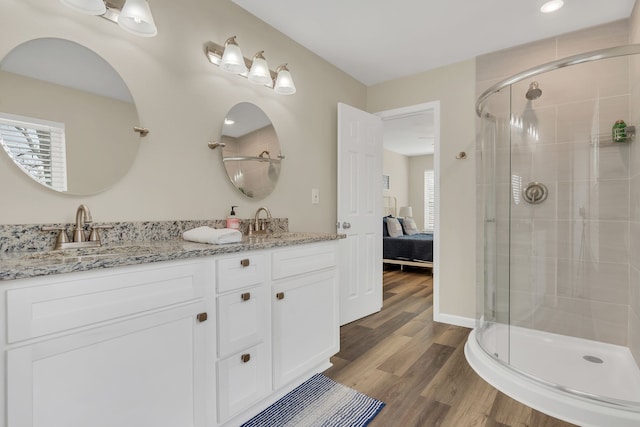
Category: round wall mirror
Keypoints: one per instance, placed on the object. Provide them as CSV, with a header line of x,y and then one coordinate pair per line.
x,y
250,150
66,116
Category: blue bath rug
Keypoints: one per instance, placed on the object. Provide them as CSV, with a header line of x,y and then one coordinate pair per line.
x,y
319,402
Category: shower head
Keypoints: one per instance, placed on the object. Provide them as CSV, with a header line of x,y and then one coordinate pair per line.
x,y
534,91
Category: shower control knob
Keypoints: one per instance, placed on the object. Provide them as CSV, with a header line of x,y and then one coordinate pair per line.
x,y
535,193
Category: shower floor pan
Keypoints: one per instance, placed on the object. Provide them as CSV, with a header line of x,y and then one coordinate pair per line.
x,y
584,382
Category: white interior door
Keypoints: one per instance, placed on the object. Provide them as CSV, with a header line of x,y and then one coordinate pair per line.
x,y
359,212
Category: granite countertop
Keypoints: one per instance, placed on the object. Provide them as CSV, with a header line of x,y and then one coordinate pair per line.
x,y
19,265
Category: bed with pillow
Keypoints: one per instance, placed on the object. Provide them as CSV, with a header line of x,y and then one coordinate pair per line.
x,y
404,244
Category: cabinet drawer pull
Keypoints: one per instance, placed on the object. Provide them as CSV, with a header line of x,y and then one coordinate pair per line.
x,y
202,317
245,262
280,295
246,296
245,358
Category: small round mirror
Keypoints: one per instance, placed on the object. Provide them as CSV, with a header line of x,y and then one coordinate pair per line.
x,y
66,116
250,150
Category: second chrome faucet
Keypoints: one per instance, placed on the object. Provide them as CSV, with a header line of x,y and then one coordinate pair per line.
x,y
259,226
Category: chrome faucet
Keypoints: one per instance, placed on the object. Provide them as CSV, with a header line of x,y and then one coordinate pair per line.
x,y
83,215
259,226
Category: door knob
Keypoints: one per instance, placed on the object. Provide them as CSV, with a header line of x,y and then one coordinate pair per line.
x,y
346,225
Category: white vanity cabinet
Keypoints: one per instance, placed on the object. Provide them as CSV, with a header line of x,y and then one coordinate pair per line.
x,y
306,330
203,342
244,359
119,347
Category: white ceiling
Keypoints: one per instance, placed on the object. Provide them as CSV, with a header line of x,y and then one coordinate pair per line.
x,y
379,40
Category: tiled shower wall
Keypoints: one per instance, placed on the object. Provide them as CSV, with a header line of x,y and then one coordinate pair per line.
x,y
634,211
566,261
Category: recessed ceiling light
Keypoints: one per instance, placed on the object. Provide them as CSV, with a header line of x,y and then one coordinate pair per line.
x,y
228,121
551,6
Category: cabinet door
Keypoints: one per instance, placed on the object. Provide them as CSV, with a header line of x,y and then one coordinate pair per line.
x,y
305,324
146,371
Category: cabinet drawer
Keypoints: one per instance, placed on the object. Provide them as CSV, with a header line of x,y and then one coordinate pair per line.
x,y
243,379
63,303
242,320
240,271
303,259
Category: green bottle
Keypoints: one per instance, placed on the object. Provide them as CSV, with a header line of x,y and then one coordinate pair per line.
x,y
618,131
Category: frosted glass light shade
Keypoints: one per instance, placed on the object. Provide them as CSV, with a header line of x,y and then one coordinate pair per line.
x,y
406,212
136,18
88,7
232,59
284,82
259,72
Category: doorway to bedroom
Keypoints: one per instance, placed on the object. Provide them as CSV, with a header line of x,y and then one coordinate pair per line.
x,y
411,139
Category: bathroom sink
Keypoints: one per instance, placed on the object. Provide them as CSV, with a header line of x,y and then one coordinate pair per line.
x,y
97,252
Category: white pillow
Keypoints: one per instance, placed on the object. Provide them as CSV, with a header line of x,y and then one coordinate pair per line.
x,y
393,227
410,227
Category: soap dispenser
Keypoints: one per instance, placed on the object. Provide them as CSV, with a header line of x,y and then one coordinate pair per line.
x,y
232,220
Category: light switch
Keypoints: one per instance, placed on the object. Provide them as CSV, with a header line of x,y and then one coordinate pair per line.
x,y
315,196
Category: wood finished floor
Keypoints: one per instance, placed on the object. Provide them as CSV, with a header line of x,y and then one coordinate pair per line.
x,y
417,366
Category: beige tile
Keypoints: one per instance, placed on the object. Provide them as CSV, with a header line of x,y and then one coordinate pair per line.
x,y
593,200
598,37
520,237
504,63
634,244
634,196
534,275
600,241
553,162
634,335
545,238
593,281
634,25
634,290
533,125
521,309
634,155
599,79
584,319
592,119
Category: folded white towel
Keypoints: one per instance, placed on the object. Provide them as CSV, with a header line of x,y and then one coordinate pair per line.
x,y
210,235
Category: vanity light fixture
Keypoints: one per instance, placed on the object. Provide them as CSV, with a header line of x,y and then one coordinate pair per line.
x,y
551,6
133,16
260,72
229,57
136,18
284,82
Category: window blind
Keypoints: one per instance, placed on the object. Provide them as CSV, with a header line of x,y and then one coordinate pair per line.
x,y
37,147
429,201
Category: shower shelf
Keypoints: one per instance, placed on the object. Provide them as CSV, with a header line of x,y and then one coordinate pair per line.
x,y
607,139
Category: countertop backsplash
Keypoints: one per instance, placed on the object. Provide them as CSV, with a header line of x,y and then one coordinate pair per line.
x,y
30,237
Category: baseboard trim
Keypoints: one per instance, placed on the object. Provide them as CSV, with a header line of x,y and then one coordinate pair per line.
x,y
452,319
